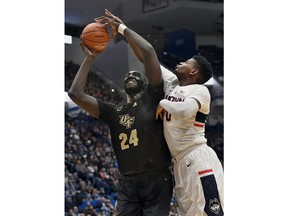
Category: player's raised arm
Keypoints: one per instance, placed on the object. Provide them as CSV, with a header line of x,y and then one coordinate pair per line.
x,y
143,50
76,91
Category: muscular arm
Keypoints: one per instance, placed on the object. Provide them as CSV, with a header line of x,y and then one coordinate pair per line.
x,y
145,52
142,49
183,109
76,92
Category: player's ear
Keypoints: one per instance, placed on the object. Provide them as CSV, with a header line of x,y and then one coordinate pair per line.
x,y
144,86
193,72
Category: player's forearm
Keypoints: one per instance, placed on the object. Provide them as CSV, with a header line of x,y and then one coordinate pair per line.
x,y
77,87
139,45
183,109
145,52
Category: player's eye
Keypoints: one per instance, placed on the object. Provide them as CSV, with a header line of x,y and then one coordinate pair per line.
x,y
136,74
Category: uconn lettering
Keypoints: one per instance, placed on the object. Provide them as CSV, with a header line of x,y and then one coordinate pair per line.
x,y
174,99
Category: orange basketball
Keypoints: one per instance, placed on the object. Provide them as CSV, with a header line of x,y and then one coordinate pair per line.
x,y
95,37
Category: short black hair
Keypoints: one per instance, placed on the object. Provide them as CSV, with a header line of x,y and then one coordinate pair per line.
x,y
204,66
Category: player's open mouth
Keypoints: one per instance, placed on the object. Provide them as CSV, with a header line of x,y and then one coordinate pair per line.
x,y
130,81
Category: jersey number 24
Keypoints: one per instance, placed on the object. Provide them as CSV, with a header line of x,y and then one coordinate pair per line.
x,y
133,139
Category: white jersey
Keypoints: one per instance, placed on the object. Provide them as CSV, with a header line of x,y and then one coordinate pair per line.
x,y
182,133
197,170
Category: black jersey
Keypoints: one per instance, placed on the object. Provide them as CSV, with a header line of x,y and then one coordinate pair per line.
x,y
137,137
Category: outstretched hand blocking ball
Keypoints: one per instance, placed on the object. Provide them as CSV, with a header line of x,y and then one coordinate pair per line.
x,y
95,37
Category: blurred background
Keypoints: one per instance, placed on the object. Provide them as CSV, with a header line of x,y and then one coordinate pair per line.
x,y
177,29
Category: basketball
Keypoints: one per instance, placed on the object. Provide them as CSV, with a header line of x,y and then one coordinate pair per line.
x,y
95,37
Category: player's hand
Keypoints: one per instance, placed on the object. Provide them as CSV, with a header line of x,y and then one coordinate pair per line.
x,y
160,111
88,52
103,20
113,21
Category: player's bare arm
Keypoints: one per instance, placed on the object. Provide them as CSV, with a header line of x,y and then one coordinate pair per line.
x,y
114,23
76,92
142,49
150,59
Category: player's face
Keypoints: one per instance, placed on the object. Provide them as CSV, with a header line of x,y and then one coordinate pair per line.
x,y
184,68
133,82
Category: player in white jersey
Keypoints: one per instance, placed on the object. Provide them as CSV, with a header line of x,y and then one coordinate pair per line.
x,y
197,170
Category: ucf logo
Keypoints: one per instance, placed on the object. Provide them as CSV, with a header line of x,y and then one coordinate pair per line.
x,y
214,206
126,120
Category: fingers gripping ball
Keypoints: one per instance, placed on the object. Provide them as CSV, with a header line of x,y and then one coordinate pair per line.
x,y
95,37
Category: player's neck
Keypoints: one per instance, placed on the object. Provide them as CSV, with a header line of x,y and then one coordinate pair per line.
x,y
134,97
186,82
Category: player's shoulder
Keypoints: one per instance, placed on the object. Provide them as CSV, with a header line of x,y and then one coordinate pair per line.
x,y
199,87
167,74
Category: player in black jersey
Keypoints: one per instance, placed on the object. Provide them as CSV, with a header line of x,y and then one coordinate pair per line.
x,y
145,184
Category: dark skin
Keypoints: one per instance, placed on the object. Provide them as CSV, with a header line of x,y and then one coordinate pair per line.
x,y
187,72
76,91
142,49
134,85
